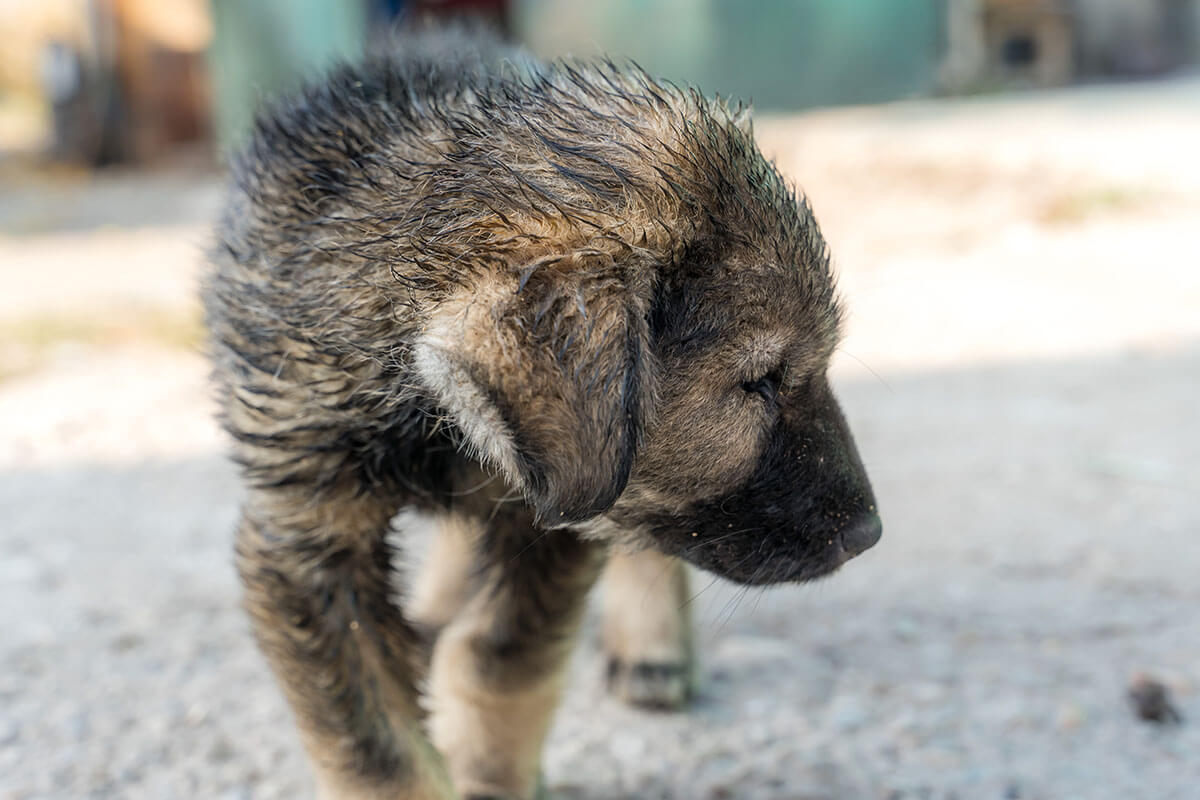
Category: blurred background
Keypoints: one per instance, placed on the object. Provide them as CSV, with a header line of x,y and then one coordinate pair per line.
x,y
127,81
1011,190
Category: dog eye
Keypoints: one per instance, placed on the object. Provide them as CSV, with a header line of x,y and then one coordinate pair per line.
x,y
767,386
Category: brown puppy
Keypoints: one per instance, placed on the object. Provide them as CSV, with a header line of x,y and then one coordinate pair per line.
x,y
564,307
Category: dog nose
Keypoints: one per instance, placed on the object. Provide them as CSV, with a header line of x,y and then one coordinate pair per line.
x,y
861,535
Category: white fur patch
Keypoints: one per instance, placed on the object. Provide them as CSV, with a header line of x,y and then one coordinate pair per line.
x,y
479,420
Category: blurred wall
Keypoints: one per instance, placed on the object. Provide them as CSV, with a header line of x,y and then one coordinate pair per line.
x,y
782,54
26,27
262,46
1135,37
113,80
997,44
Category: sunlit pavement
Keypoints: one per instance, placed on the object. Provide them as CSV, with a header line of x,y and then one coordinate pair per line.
x,y
1021,371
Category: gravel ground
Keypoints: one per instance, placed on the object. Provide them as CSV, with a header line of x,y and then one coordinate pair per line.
x,y
1022,375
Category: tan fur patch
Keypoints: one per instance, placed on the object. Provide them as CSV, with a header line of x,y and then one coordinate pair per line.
x,y
443,585
492,740
461,331
646,618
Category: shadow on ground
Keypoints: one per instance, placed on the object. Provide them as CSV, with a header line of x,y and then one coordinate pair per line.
x,y
1039,546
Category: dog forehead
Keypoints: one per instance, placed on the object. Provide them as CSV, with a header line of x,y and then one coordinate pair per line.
x,y
745,298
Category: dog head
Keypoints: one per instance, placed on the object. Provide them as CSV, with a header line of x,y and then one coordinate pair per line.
x,y
748,468
642,346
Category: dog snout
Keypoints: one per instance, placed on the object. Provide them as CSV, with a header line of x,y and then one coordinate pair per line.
x,y
861,534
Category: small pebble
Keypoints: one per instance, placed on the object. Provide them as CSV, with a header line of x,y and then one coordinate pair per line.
x,y
1152,701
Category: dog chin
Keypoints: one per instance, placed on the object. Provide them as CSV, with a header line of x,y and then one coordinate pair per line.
x,y
789,572
776,571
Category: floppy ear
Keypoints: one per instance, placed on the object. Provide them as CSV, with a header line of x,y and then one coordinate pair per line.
x,y
547,373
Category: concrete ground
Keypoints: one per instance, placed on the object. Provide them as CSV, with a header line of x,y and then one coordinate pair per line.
x,y
1022,373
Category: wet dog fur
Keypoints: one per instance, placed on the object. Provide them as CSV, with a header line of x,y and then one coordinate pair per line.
x,y
565,309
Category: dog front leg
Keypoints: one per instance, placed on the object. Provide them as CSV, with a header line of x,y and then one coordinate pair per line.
x,y
497,668
316,571
648,630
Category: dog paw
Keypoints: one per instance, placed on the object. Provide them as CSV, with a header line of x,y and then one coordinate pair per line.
x,y
484,791
657,686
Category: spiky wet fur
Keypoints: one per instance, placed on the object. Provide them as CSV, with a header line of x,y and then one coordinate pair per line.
x,y
478,286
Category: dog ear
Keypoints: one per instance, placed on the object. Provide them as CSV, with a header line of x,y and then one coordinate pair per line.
x,y
548,374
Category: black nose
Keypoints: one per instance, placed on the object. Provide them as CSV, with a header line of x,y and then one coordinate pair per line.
x,y
861,535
